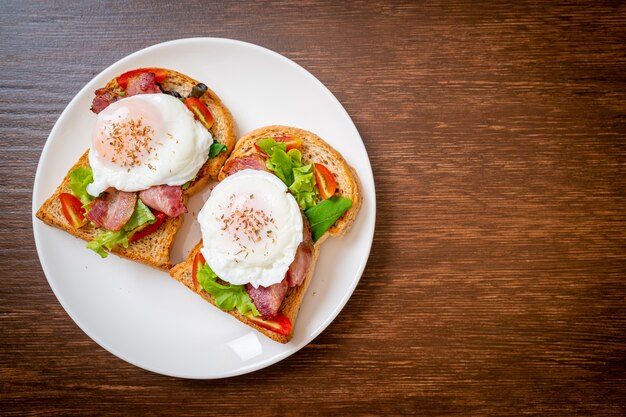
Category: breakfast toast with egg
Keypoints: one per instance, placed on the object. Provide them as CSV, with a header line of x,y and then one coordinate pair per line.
x,y
150,242
336,181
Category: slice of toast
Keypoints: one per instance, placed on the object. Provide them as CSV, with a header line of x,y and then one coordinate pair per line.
x,y
313,149
154,249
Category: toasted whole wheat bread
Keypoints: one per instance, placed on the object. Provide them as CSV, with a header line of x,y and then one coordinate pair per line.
x,y
313,149
154,249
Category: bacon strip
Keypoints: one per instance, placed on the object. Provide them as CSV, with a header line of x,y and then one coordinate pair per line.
x,y
268,299
165,198
299,268
113,210
254,161
143,83
103,98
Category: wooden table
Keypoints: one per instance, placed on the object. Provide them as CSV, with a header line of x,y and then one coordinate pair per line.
x,y
496,284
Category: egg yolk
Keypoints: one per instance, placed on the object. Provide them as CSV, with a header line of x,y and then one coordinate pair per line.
x,y
125,135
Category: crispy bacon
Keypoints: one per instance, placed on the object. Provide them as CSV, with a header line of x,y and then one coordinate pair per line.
x,y
165,198
98,210
268,299
113,210
299,268
254,161
103,98
143,83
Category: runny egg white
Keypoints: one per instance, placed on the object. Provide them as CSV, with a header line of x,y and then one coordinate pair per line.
x,y
146,140
251,228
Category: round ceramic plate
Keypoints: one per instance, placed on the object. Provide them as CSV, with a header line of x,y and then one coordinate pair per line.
x,y
142,315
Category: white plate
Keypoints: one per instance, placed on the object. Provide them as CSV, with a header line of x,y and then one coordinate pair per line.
x,y
142,315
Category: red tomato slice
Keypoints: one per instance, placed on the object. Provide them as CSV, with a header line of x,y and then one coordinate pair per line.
x,y
73,210
279,324
326,183
200,111
159,75
149,228
290,142
198,261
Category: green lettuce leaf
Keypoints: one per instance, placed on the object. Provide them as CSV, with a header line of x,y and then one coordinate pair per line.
x,y
303,187
107,239
281,162
216,148
325,213
268,145
80,178
142,214
226,296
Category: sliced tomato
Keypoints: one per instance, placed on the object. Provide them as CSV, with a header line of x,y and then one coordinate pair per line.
x,y
159,75
72,209
148,228
279,324
200,111
290,142
325,180
198,261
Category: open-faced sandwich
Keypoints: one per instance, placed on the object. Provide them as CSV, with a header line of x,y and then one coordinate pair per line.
x,y
159,137
281,193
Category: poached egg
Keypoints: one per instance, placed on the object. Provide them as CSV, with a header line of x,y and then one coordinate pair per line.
x,y
251,228
146,140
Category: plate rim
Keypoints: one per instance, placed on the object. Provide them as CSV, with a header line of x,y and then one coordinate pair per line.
x,y
246,368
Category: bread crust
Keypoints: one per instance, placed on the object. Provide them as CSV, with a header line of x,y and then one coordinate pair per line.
x,y
314,149
154,249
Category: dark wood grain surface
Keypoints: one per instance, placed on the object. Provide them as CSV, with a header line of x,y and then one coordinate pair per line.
x,y
496,284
